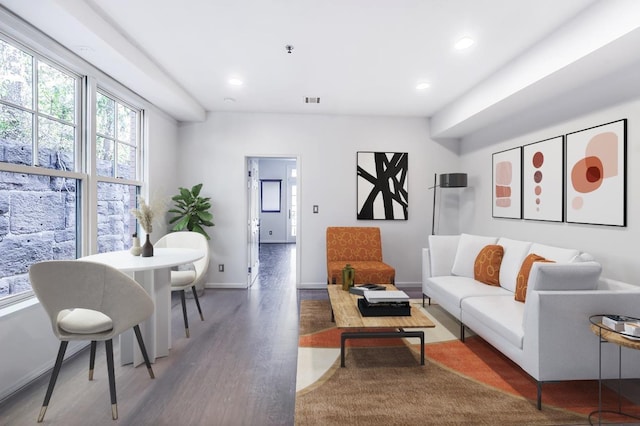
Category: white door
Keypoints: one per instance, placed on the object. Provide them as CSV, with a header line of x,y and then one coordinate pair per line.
x,y
292,202
253,221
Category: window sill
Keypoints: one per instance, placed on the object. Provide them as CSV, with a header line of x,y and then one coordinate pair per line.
x,y
15,307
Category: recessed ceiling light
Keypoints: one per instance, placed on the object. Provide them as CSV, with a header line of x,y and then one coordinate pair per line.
x,y
464,43
423,85
235,81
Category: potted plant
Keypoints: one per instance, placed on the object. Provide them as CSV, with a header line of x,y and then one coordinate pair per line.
x,y
191,211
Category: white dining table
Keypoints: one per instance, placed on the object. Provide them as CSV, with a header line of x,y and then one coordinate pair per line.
x,y
154,275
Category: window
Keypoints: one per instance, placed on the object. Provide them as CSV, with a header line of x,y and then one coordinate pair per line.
x,y
44,169
37,222
39,176
116,224
117,169
116,138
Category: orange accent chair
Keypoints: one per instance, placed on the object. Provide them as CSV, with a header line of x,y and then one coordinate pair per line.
x,y
361,247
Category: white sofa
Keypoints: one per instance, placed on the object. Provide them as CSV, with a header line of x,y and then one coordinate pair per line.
x,y
548,335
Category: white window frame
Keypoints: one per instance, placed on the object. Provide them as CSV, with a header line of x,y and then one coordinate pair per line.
x,y
94,178
34,168
90,79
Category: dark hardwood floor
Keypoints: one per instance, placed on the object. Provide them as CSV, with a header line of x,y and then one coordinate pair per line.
x,y
238,367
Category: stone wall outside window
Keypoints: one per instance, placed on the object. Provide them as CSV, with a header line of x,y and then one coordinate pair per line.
x,y
38,219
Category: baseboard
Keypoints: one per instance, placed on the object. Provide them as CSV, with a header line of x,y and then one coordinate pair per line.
x,y
226,285
409,284
316,286
302,286
44,369
312,286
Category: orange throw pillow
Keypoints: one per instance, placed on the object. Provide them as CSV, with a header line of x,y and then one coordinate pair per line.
x,y
486,268
522,281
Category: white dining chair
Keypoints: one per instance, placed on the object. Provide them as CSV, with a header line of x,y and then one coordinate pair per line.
x,y
182,280
89,301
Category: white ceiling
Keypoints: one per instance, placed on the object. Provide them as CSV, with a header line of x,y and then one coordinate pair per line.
x,y
360,57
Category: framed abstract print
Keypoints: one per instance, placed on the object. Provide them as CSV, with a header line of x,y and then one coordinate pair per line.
x,y
543,180
507,184
596,184
382,185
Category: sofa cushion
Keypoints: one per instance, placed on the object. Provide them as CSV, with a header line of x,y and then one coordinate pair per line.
x,y
487,265
557,254
458,288
468,249
578,276
501,314
366,272
514,253
442,252
523,275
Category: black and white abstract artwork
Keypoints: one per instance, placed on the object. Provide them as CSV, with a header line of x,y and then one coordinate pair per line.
x,y
382,186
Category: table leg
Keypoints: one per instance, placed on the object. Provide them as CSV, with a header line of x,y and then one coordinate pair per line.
x,y
156,330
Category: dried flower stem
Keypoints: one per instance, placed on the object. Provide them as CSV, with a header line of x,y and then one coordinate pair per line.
x,y
145,215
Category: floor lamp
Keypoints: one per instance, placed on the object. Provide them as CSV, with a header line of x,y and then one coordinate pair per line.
x,y
447,180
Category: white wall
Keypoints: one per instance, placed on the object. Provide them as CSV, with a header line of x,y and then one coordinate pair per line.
x,y
162,173
29,347
615,247
214,152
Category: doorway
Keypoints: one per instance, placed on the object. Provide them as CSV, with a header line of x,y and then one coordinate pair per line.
x,y
273,195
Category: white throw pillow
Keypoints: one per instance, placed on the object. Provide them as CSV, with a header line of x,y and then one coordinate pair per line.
x,y
514,253
557,254
583,257
442,252
468,249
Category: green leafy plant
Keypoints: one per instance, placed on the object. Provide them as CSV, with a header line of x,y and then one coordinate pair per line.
x,y
192,211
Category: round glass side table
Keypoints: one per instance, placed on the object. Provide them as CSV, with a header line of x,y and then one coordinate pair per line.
x,y
622,339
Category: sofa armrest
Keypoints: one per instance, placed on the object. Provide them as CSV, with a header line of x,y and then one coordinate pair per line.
x,y
442,254
559,343
426,268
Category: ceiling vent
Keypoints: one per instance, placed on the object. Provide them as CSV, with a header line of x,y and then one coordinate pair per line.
x,y
308,100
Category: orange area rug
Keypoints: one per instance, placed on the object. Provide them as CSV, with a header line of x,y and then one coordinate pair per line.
x,y
478,360
474,362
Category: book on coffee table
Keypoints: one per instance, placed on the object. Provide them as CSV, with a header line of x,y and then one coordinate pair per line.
x,y
375,287
373,297
361,289
615,322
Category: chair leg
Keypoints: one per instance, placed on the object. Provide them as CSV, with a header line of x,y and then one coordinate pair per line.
x,y
184,313
52,381
112,378
143,349
195,297
92,358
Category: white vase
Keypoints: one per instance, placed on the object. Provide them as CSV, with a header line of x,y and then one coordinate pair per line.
x,y
135,247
